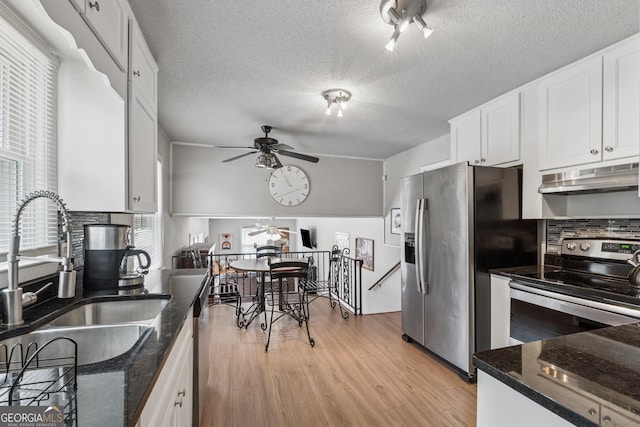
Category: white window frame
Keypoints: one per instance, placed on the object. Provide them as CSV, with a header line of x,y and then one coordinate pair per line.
x,y
28,119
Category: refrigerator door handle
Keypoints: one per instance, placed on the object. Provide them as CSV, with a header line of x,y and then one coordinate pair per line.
x,y
421,251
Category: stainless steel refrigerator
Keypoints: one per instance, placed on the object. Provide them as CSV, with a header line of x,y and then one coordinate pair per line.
x,y
458,222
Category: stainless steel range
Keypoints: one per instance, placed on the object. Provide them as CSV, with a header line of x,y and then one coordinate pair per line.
x,y
585,288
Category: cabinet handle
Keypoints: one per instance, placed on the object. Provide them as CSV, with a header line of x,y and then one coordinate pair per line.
x,y
592,411
178,403
608,149
95,5
483,160
594,152
606,419
136,199
182,392
476,162
136,73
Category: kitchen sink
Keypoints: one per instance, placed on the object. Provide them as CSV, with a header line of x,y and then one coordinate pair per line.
x,y
113,312
96,343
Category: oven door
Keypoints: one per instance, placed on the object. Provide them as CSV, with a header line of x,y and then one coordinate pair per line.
x,y
540,314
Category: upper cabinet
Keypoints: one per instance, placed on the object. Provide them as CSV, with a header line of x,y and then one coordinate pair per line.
x,y
490,134
107,154
571,116
109,20
621,101
143,125
589,112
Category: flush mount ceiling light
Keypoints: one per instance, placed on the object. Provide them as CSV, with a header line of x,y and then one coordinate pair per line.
x,y
401,13
338,97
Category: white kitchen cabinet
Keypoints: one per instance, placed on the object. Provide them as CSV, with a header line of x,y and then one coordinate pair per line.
x,y
501,130
171,400
109,20
488,135
78,4
570,116
621,101
466,138
500,311
142,126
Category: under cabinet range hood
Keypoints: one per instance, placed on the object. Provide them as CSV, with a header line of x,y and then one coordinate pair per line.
x,y
594,180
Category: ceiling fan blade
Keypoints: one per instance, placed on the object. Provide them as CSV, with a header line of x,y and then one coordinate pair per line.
x,y
255,233
281,147
299,156
286,231
234,147
240,156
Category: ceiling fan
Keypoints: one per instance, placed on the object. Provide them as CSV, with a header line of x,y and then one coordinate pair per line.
x,y
272,230
267,147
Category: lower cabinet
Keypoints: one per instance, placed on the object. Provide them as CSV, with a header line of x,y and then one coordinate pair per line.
x,y
171,401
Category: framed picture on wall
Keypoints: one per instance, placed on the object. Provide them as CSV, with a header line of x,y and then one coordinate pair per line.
x,y
225,241
342,240
364,251
396,221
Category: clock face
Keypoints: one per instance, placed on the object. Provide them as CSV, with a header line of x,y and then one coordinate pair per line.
x,y
289,185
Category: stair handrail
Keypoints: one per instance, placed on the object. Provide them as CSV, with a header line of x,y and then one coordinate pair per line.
x,y
387,274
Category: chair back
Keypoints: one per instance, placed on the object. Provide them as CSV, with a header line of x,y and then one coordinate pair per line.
x,y
289,269
269,251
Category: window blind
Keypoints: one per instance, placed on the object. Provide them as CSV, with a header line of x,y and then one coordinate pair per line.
x,y
28,157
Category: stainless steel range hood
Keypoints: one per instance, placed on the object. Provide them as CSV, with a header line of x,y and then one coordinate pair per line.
x,y
594,180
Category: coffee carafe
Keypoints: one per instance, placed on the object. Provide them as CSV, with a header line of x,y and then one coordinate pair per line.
x,y
133,268
104,247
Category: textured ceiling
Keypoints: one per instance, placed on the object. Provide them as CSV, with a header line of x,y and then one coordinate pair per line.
x,y
228,66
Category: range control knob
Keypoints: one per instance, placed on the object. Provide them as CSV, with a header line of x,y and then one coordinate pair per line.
x,y
571,246
585,247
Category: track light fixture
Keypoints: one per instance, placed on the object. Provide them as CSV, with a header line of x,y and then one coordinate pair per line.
x,y
339,97
401,13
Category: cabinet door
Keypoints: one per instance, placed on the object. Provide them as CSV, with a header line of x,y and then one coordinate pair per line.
x,y
109,20
571,116
501,131
621,101
466,138
183,403
143,155
143,69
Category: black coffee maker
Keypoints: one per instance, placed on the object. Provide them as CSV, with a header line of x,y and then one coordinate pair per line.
x,y
107,250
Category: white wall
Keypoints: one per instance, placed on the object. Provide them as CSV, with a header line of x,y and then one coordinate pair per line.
x,y
205,186
407,163
384,298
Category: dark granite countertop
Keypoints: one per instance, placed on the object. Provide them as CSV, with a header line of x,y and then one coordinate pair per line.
x,y
114,392
561,374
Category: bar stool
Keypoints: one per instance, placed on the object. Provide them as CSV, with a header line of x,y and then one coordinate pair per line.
x,y
298,309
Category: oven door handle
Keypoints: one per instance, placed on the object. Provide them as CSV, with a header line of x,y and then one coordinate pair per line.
x,y
608,314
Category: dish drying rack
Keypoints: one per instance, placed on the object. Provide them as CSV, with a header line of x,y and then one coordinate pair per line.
x,y
32,377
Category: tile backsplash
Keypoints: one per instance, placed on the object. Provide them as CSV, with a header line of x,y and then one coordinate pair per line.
x,y
78,220
615,228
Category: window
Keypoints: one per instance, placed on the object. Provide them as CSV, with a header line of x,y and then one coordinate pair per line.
x,y
147,229
28,162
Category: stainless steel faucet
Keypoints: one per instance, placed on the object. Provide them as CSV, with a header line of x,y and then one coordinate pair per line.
x,y
12,298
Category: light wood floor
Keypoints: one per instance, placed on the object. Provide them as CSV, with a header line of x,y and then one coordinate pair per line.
x,y
360,373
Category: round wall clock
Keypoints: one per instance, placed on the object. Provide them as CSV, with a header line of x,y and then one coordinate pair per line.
x,y
289,185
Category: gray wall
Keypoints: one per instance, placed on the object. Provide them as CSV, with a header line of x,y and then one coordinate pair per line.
x,y
204,186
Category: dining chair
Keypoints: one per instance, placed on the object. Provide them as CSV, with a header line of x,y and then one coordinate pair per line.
x,y
288,300
270,251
